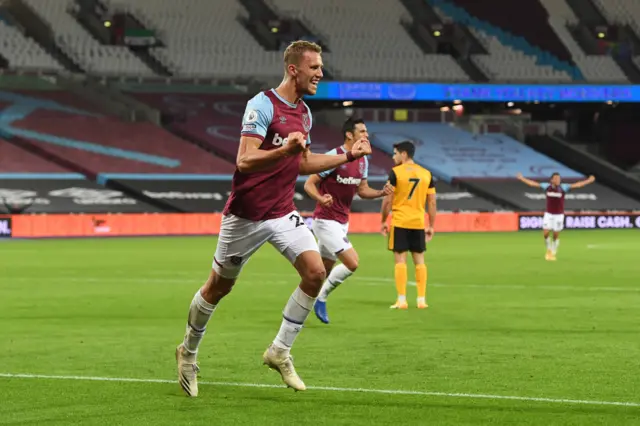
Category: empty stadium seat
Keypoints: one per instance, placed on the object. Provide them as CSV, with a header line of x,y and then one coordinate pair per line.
x,y
595,68
509,58
625,12
203,40
369,42
81,47
508,64
23,52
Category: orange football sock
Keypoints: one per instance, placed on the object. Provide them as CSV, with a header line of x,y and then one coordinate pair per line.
x,y
421,280
401,281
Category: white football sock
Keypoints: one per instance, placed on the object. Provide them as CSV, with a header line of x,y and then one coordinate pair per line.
x,y
294,314
336,277
549,242
554,247
199,313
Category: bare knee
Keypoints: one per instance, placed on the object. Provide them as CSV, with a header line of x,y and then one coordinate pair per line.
x,y
312,279
216,287
314,275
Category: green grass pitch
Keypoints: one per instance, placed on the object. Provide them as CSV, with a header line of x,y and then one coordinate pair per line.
x,y
502,322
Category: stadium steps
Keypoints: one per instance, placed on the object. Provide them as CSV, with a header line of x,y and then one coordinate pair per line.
x,y
143,53
587,12
507,38
628,67
589,15
40,31
587,164
90,175
89,18
420,30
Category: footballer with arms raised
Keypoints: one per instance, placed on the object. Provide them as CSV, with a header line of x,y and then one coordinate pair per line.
x,y
553,219
273,152
413,190
334,190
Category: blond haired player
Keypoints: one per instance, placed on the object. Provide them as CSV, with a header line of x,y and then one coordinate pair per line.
x,y
413,190
272,153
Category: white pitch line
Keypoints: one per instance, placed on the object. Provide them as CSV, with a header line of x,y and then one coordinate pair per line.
x,y
364,280
332,389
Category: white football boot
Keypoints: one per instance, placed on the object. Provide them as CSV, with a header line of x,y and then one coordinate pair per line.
x,y
282,362
187,371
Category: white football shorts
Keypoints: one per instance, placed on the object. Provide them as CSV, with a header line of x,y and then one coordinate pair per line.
x,y
332,237
553,222
239,238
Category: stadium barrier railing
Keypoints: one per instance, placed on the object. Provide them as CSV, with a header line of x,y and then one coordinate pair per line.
x,y
165,224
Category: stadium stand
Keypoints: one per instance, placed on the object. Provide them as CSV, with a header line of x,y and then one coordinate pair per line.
x,y
213,121
579,160
622,12
104,144
68,194
14,159
201,43
511,57
508,64
595,197
395,56
81,47
595,68
526,42
23,52
453,153
486,165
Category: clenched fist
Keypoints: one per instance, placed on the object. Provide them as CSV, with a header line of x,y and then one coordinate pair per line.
x,y
361,148
296,143
326,200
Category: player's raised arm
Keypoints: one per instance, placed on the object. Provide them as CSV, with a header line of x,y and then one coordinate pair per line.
x,y
582,183
366,192
316,163
531,183
253,159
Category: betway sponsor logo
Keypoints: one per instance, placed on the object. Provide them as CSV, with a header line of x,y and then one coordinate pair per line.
x,y
577,197
279,141
348,180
